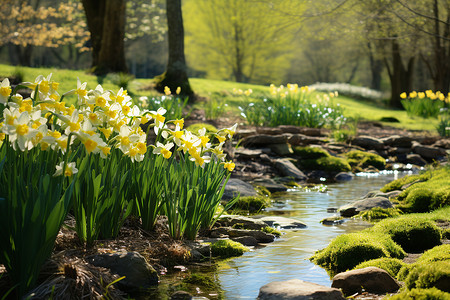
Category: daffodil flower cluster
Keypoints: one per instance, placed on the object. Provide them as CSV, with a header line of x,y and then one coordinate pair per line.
x,y
427,94
101,121
425,104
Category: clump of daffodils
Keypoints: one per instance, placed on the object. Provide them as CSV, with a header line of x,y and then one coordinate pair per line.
x,y
101,121
427,94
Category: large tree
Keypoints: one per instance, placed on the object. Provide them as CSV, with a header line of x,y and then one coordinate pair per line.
x,y
106,22
176,72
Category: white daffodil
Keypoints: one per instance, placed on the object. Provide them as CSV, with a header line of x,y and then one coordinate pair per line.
x,y
5,91
81,92
20,132
159,118
164,150
125,139
68,171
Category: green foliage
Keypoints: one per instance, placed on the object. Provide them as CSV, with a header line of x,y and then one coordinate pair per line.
x,y
348,250
411,234
360,159
421,294
425,107
272,230
293,107
435,274
443,127
310,152
446,234
438,253
262,191
215,107
399,183
378,213
121,79
227,248
192,195
390,265
99,199
251,204
201,280
198,126
33,205
173,104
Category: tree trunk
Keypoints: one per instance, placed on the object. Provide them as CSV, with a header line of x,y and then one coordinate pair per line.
x,y
176,71
106,23
376,67
400,77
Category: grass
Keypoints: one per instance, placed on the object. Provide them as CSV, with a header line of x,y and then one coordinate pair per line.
x,y
207,88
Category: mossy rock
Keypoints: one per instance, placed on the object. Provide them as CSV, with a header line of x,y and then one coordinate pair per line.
x,y
310,152
328,164
446,234
399,183
252,204
194,128
348,250
421,294
360,159
378,213
272,230
428,275
438,253
227,248
201,280
412,234
262,191
390,265
431,193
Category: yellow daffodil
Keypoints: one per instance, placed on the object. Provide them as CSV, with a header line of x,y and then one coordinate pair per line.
x,y
167,91
229,165
164,150
5,91
403,95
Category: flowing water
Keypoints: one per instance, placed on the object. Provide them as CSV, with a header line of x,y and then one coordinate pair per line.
x,y
288,257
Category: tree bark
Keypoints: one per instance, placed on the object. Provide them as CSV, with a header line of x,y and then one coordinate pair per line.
x,y
176,71
106,22
376,67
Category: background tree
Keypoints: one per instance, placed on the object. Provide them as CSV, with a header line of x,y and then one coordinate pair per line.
x,y
176,72
106,21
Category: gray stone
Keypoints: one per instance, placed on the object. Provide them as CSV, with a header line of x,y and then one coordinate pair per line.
x,y
368,142
287,168
301,139
332,221
269,130
249,153
397,141
282,222
139,275
354,208
248,223
344,176
236,187
265,140
415,159
388,195
428,152
442,143
260,236
246,240
281,149
371,279
270,185
199,251
296,289
303,130
181,295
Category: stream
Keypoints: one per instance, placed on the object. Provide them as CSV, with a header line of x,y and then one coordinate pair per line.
x,y
288,256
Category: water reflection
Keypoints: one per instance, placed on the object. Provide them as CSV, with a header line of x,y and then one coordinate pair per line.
x,y
287,257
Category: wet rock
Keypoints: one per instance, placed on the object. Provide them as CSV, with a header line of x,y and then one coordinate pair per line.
x,y
282,222
371,279
302,139
181,295
235,187
297,289
264,139
332,221
246,222
415,159
355,208
428,152
246,240
269,130
260,236
199,251
388,195
139,275
397,141
270,185
398,150
344,176
287,168
368,142
442,143
281,149
250,153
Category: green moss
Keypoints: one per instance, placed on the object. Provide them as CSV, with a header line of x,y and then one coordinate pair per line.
x,y
438,253
411,234
227,248
262,191
361,160
201,280
435,274
197,126
328,164
378,213
252,204
310,152
446,234
390,265
348,250
271,230
421,294
397,184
